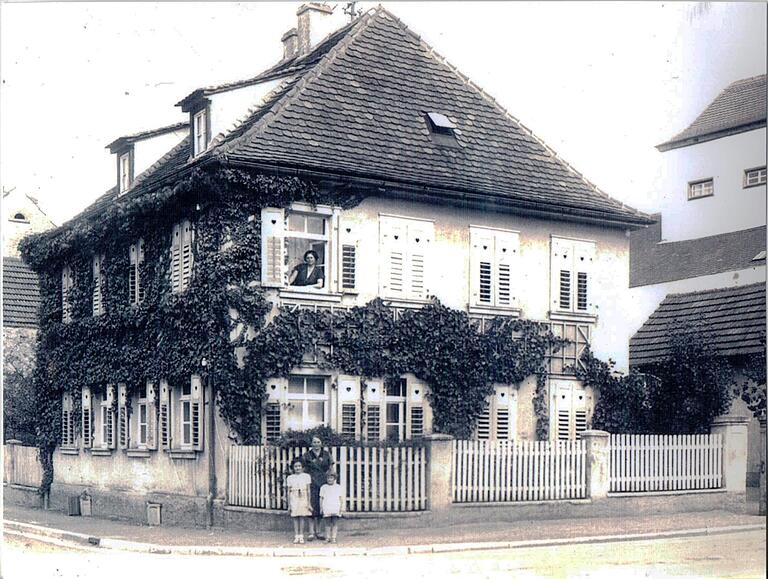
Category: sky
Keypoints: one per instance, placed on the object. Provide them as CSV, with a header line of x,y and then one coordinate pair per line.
x,y
601,83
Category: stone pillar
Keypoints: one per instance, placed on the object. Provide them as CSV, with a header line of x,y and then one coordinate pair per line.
x,y
762,465
734,432
598,463
439,474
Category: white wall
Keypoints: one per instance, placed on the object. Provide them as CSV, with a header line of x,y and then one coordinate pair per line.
x,y
148,151
732,207
228,107
13,230
451,261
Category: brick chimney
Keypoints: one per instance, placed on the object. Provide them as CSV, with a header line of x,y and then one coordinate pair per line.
x,y
315,23
290,43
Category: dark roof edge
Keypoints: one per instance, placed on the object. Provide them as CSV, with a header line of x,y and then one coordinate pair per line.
x,y
716,290
703,138
127,139
521,206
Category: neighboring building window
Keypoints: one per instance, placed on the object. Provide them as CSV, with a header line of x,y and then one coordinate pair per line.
x,y
405,257
754,177
307,402
20,217
704,188
571,275
99,285
571,408
135,285
296,248
67,421
493,262
125,177
200,132
181,256
67,283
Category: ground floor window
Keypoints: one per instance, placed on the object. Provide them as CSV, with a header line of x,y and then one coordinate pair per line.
x,y
307,402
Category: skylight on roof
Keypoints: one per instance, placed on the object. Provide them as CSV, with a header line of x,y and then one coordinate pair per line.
x,y
440,122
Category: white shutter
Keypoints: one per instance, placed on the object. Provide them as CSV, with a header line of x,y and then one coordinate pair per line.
x,y
198,415
507,250
86,422
349,404
151,416
123,425
67,281
135,287
505,413
420,241
272,254
187,254
481,264
563,409
164,422
414,409
393,258
176,240
374,390
584,257
561,274
67,423
98,285
348,257
110,442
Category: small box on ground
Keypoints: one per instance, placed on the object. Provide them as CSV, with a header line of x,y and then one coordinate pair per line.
x,y
73,506
154,514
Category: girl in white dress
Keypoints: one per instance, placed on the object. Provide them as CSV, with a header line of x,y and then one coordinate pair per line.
x,y
298,499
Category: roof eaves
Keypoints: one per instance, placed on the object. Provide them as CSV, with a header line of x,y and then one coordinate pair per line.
x,y
140,136
675,143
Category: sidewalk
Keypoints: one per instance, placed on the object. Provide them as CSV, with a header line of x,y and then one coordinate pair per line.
x,y
180,540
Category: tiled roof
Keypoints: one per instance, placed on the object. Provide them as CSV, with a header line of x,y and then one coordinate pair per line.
x,y
21,294
651,262
740,107
361,111
127,139
732,319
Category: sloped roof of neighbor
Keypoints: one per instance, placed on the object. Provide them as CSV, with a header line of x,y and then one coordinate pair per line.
x,y
21,294
733,319
740,107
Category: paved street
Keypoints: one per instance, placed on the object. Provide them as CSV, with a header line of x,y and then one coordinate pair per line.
x,y
727,555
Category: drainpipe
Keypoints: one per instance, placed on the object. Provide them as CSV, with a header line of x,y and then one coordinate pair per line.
x,y
211,447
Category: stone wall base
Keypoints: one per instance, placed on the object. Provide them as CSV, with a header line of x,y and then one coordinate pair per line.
x,y
22,496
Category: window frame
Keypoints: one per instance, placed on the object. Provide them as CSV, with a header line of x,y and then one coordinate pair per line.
x,y
702,182
304,398
325,238
761,171
185,401
124,171
195,126
580,249
142,402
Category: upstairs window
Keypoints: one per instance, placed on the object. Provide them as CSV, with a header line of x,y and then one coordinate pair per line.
x,y
699,189
405,257
125,171
571,275
181,256
20,217
494,263
296,247
99,285
199,132
135,283
754,177
67,283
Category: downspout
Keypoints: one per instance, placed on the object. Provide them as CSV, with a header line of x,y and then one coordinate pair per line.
x,y
211,450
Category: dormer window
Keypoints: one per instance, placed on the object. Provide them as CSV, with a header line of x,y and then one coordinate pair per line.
x,y
20,217
125,173
441,130
199,132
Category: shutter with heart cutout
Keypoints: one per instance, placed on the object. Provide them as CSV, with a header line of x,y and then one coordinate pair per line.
x,y
348,394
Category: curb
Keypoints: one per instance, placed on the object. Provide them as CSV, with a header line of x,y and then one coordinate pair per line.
x,y
60,536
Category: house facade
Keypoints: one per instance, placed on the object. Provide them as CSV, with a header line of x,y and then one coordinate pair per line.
x,y
703,261
422,187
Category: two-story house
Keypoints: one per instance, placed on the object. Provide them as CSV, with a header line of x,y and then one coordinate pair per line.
x,y
703,261
423,186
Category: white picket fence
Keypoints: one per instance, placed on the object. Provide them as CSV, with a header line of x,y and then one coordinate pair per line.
x,y
505,471
644,463
21,465
373,479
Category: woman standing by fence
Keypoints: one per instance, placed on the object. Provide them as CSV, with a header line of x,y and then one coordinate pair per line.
x,y
317,462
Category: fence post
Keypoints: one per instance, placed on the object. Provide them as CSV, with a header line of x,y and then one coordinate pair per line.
x,y
734,432
598,467
439,475
762,465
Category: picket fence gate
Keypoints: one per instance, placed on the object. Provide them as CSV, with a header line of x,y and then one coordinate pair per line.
x,y
506,471
373,479
649,462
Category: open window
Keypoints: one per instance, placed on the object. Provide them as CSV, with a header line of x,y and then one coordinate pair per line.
x,y
396,411
298,249
104,419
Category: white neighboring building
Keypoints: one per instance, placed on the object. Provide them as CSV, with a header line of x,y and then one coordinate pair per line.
x,y
705,256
